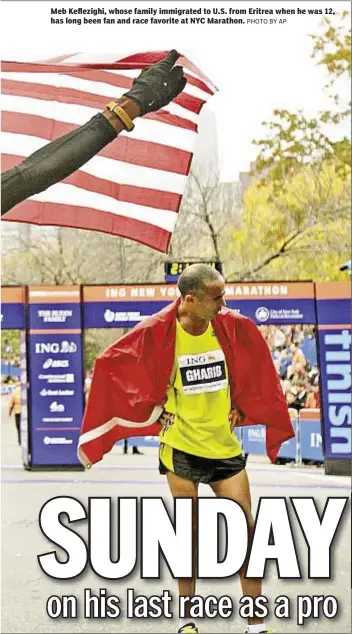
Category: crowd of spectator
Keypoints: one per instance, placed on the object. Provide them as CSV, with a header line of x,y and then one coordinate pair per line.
x,y
294,352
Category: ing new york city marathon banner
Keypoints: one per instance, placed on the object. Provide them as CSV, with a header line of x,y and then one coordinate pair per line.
x,y
266,303
55,318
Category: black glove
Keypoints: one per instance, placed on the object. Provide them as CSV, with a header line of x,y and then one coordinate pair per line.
x,y
157,85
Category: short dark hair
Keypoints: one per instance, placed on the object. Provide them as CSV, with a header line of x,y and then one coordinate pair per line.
x,y
193,279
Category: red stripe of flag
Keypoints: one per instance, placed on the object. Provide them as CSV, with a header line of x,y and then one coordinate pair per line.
x,y
143,196
51,67
123,148
101,76
198,83
32,67
92,219
71,96
194,104
121,81
190,102
143,60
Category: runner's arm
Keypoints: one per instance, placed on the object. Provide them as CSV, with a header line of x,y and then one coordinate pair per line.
x,y
56,160
154,88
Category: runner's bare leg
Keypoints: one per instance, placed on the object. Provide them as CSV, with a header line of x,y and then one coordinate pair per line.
x,y
180,487
237,488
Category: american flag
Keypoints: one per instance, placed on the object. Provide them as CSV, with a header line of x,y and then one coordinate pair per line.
x,y
134,187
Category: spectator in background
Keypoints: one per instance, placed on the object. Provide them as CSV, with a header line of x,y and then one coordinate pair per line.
x,y
297,334
15,407
313,375
278,338
87,384
313,398
293,350
8,380
299,363
284,382
135,449
300,389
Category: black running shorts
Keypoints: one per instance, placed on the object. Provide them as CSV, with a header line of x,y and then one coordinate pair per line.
x,y
198,469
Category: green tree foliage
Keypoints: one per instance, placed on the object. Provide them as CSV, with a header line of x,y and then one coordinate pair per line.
x,y
293,139
10,338
332,48
298,233
296,213
96,340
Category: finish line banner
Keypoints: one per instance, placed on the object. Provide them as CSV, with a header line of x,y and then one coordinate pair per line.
x,y
55,374
334,337
265,303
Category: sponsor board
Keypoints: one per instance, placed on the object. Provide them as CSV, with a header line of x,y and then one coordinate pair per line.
x,y
57,410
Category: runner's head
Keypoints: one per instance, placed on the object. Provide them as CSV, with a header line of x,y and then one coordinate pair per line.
x,y
202,290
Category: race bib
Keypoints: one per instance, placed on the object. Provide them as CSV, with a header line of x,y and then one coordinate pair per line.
x,y
204,372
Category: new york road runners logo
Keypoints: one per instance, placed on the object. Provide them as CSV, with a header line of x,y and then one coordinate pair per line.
x,y
262,314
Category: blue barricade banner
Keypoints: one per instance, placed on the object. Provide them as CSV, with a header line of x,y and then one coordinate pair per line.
x,y
253,440
311,447
12,308
153,441
10,370
142,441
289,448
55,375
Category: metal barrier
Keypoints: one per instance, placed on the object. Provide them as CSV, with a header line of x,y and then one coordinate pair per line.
x,y
253,440
153,441
305,446
310,435
290,450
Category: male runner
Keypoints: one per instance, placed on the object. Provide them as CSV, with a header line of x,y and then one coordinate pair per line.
x,y
191,373
197,443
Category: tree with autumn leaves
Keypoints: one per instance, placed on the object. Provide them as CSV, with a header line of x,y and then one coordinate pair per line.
x,y
295,222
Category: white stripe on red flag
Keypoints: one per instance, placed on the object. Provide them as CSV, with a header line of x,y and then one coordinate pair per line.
x,y
134,186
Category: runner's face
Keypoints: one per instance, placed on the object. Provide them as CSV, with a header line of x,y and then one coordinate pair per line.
x,y
210,304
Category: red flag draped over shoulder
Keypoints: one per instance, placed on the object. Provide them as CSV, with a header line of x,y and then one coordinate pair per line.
x,y
134,186
131,377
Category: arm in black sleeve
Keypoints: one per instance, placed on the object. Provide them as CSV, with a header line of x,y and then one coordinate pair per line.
x,y
155,87
55,161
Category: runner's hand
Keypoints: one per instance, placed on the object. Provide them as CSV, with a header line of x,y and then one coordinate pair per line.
x,y
166,419
159,84
236,418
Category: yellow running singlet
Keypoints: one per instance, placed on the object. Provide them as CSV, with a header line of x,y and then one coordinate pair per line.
x,y
200,398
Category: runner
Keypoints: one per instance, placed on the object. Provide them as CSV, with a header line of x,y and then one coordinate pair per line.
x,y
197,443
197,370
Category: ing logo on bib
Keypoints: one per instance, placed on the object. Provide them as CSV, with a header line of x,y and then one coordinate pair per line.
x,y
204,372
